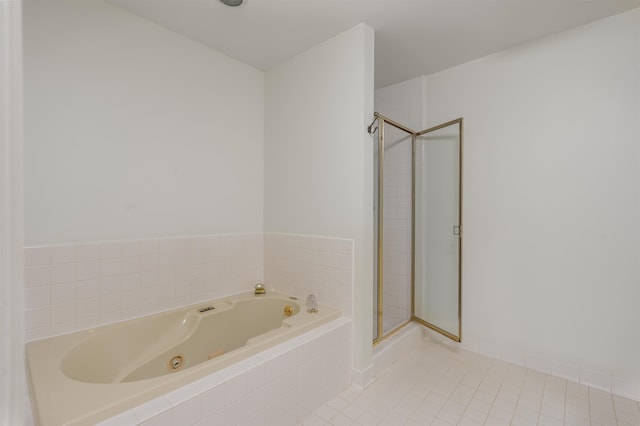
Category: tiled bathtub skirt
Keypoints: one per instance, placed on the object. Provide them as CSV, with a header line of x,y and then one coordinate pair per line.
x,y
78,286
282,385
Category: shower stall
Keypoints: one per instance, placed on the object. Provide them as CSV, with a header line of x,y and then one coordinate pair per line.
x,y
418,209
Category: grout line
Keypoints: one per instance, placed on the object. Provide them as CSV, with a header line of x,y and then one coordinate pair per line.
x,y
589,403
564,416
613,406
541,400
486,416
456,368
517,399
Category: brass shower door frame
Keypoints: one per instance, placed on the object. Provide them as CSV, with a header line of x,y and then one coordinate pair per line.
x,y
454,337
381,127
382,121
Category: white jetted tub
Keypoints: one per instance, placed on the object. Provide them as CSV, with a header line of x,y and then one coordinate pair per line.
x,y
89,376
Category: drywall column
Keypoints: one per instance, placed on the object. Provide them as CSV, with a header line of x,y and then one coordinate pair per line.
x,y
319,158
11,281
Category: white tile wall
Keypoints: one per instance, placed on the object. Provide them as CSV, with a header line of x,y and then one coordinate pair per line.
x,y
77,286
302,264
397,230
282,385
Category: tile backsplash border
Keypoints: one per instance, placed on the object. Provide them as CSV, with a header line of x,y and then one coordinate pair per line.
x,y
73,287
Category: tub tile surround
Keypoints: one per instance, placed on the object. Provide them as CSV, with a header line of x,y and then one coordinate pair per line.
x,y
73,287
77,286
282,385
305,264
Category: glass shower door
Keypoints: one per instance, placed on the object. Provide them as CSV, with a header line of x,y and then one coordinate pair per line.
x,y
393,231
437,228
396,233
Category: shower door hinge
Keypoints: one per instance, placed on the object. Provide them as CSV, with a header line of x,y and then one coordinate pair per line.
x,y
456,230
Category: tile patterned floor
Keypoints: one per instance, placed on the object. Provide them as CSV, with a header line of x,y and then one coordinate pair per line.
x,y
434,385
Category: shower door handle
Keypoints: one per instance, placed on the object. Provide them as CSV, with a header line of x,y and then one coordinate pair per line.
x,y
456,230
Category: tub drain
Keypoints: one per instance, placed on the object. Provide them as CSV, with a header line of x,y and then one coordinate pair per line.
x,y
176,363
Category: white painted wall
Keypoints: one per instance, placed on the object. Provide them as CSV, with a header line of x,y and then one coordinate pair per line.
x,y
318,156
12,376
552,200
134,131
403,102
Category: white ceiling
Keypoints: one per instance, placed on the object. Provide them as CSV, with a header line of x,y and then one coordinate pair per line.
x,y
413,37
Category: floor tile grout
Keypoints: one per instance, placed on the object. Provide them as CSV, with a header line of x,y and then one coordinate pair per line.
x,y
444,396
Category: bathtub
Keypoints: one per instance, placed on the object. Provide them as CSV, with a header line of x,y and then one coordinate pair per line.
x,y
89,376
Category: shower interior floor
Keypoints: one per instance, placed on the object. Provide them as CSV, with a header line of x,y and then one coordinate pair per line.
x,y
434,385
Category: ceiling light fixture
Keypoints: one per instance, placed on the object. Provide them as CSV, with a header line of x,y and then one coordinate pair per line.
x,y
232,3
